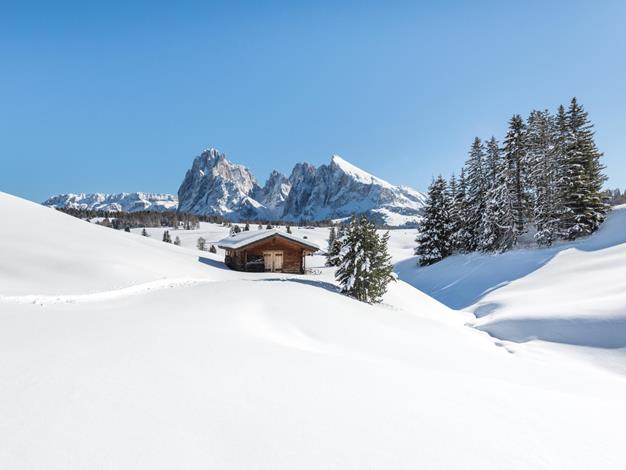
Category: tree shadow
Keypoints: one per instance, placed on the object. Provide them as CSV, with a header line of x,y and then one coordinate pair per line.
x,y
329,286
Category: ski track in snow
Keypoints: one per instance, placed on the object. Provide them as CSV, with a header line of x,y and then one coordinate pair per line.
x,y
104,295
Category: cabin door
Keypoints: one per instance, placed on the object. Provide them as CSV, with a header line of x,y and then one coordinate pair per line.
x,y
273,260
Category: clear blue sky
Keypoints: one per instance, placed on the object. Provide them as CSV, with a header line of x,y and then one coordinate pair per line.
x,y
121,97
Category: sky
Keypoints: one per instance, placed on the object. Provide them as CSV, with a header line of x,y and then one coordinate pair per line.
x,y
121,96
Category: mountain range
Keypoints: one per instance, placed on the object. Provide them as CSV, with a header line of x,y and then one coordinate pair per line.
x,y
120,202
216,186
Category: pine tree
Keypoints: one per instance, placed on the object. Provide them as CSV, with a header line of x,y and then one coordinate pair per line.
x,y
201,244
584,207
461,238
144,232
365,269
246,228
212,249
334,248
543,174
166,237
496,229
515,157
288,229
476,191
435,229
236,229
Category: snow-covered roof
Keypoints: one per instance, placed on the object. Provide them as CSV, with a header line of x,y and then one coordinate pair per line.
x,y
252,236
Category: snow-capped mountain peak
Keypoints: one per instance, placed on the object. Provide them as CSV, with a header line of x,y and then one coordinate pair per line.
x,y
339,189
120,202
356,172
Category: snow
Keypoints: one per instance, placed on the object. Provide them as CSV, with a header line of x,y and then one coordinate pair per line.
x,y
246,237
122,351
573,293
358,174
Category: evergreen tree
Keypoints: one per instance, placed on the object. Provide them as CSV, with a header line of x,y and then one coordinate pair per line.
x,y
127,228
212,249
201,244
584,206
365,269
166,237
288,229
144,232
236,229
334,248
496,229
435,229
543,174
246,227
515,157
461,238
476,191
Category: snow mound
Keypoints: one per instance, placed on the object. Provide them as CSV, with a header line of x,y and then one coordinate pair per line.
x,y
53,253
572,293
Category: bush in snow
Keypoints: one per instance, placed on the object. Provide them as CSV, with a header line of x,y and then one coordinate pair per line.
x,y
365,267
212,249
177,241
145,233
201,244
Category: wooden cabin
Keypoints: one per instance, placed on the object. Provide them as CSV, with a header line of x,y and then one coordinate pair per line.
x,y
267,251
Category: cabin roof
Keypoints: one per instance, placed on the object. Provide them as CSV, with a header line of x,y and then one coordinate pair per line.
x,y
249,237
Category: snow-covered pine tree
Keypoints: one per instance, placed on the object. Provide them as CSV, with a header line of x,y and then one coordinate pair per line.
x,y
236,229
365,269
515,157
288,229
542,160
435,229
201,244
496,230
476,191
461,237
584,207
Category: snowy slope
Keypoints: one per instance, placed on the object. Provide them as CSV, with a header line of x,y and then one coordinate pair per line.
x,y
194,366
121,202
54,253
572,293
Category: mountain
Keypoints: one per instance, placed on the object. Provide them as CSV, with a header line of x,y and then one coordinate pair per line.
x,y
121,202
216,186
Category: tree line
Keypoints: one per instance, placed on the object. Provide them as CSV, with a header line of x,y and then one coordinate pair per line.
x,y
543,184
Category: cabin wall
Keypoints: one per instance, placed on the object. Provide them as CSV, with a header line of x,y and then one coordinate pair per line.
x,y
292,256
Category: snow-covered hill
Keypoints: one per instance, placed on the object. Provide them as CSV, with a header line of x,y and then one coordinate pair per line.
x,y
123,351
121,202
572,293
214,185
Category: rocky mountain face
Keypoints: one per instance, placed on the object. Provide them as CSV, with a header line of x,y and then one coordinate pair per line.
x,y
121,202
216,186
